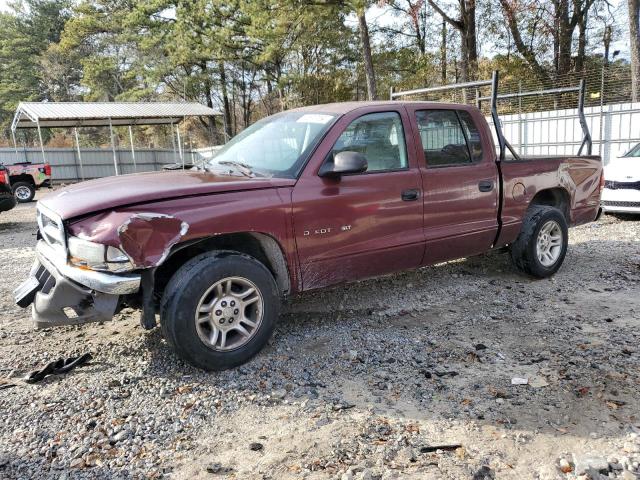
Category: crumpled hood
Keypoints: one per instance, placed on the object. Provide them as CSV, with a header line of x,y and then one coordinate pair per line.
x,y
111,192
623,170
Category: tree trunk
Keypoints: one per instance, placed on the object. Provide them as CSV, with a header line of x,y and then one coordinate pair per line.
x,y
225,101
366,54
582,42
563,34
634,34
466,25
469,38
443,54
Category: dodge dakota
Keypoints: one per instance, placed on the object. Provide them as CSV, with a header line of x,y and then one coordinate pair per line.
x,y
303,199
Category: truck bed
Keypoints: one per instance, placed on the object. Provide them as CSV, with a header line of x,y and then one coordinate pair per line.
x,y
576,179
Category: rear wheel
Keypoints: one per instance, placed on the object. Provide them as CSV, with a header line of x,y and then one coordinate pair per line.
x,y
220,309
541,245
24,191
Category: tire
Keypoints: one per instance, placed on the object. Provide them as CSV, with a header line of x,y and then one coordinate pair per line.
x,y
525,250
24,191
202,282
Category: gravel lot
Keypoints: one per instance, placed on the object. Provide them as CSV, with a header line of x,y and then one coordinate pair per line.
x,y
359,382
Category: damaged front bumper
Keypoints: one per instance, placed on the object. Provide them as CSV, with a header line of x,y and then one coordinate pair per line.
x,y
62,294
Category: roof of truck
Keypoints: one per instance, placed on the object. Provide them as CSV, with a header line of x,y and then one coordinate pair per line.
x,y
345,107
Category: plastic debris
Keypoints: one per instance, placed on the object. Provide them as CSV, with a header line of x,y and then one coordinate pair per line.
x,y
60,366
519,381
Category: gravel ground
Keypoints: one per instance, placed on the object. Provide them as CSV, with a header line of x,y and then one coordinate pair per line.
x,y
364,381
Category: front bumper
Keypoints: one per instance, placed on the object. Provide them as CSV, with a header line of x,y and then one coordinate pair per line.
x,y
620,200
67,295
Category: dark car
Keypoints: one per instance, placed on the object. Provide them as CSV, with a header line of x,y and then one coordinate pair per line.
x,y
7,199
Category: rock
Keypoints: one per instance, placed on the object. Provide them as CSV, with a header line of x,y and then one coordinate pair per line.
x,y
565,466
279,394
255,446
627,475
218,469
586,462
347,476
352,355
484,473
480,346
538,382
405,455
77,463
365,474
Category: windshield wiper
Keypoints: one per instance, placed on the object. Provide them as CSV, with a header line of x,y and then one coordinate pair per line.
x,y
242,167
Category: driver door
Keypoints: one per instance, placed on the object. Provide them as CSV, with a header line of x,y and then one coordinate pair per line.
x,y
361,225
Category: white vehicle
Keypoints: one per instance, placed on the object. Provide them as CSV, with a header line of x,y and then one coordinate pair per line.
x,y
621,192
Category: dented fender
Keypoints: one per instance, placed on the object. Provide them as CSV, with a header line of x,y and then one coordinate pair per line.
x,y
146,238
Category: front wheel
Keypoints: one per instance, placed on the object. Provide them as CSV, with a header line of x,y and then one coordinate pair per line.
x,y
220,309
24,191
541,245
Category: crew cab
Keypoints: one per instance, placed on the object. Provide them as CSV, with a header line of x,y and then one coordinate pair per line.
x,y
304,199
7,200
27,178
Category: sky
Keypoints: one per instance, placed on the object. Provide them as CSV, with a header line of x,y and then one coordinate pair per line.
x,y
382,17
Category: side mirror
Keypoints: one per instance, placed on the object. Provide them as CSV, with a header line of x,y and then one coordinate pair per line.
x,y
344,162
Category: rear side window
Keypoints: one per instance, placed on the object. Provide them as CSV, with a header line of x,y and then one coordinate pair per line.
x,y
379,137
442,137
473,135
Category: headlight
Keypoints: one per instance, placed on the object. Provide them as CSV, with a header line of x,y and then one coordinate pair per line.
x,y
95,256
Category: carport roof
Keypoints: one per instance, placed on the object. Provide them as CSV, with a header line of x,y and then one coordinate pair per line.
x,y
103,114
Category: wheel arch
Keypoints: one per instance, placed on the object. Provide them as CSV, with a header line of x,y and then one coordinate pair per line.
x,y
261,246
556,197
23,177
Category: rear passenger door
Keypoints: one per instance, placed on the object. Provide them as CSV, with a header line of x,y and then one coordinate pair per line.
x,y
459,182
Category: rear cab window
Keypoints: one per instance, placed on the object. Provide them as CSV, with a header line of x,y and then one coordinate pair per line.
x,y
448,138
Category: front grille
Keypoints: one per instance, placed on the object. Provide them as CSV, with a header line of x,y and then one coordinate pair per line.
x,y
614,185
609,203
51,229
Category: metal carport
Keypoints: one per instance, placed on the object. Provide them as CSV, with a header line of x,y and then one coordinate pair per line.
x,y
40,115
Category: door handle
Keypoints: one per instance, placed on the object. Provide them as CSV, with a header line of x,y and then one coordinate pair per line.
x,y
410,195
485,185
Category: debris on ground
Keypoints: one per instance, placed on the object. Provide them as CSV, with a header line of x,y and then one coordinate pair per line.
x,y
57,367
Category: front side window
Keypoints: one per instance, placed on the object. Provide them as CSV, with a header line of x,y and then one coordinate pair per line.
x,y
443,141
379,137
275,146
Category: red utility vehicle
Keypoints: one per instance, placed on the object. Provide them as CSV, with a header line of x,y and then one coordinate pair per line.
x,y
27,177
303,199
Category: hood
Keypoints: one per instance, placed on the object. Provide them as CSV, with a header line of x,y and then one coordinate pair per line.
x,y
111,192
626,169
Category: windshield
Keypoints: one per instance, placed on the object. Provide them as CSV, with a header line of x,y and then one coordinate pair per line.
x,y
634,152
276,146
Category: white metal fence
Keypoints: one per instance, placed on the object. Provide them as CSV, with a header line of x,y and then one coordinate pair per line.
x,y
96,162
614,130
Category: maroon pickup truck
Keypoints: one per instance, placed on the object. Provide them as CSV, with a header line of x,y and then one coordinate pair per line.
x,y
303,199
